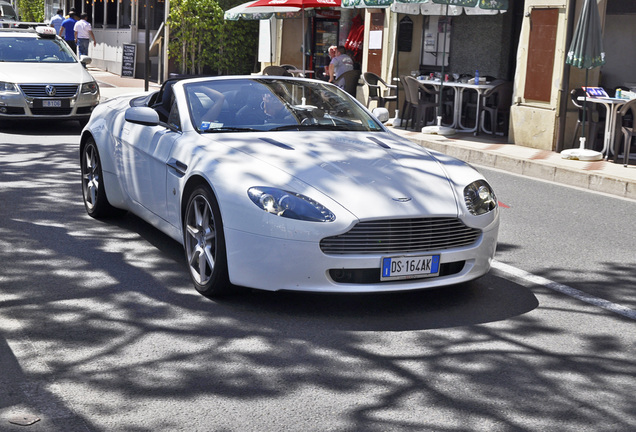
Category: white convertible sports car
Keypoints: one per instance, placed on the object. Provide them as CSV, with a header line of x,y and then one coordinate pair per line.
x,y
283,183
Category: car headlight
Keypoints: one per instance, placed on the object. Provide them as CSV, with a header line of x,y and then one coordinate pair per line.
x,y
479,198
289,204
6,87
90,87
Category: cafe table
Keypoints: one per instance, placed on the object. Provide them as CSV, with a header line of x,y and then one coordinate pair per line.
x,y
459,88
612,105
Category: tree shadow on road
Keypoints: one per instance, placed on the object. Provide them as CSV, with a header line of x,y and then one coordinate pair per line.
x,y
118,332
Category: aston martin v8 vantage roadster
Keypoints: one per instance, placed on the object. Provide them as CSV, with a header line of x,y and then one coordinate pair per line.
x,y
280,183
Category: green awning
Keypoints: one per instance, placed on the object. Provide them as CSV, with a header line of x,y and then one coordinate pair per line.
x,y
366,3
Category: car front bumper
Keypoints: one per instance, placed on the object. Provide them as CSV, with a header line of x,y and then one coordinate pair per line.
x,y
274,264
19,106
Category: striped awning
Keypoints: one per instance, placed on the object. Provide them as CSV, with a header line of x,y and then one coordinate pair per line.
x,y
433,7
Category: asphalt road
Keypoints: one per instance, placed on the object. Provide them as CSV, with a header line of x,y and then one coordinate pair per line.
x,y
100,329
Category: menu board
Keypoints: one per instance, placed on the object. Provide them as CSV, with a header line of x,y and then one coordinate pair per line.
x,y
129,53
596,92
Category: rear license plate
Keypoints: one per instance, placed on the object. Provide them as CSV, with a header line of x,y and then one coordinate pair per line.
x,y
395,268
53,103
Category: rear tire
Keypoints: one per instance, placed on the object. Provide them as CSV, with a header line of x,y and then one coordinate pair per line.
x,y
93,190
204,244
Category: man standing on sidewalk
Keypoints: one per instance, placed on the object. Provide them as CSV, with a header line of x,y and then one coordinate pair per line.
x,y
56,21
67,31
83,34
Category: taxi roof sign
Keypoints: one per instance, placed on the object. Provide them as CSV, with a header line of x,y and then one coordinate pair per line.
x,y
45,31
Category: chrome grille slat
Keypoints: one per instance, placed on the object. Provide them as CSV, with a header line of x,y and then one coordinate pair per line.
x,y
39,90
401,236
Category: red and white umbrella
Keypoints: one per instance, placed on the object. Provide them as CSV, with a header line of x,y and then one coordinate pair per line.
x,y
302,4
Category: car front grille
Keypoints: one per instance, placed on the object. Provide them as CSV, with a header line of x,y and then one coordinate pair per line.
x,y
51,111
398,236
39,90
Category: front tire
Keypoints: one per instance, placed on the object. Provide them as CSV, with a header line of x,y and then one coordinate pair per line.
x,y
93,191
204,244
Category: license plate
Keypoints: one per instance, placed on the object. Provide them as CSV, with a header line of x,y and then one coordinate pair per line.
x,y
52,104
394,268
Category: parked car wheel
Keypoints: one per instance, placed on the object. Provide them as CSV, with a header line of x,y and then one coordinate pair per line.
x,y
205,243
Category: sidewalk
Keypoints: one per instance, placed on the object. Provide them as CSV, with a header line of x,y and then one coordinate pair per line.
x,y
601,176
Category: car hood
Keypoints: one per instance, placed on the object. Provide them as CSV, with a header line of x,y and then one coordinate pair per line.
x,y
370,174
45,73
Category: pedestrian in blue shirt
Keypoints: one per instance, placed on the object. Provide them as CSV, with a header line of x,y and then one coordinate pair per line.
x,y
67,31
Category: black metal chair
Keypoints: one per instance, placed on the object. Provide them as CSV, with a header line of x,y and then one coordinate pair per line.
x,y
495,103
406,105
592,119
276,70
421,105
351,81
378,89
625,126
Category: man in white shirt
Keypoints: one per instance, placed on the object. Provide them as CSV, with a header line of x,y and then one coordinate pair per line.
x,y
83,34
340,64
56,21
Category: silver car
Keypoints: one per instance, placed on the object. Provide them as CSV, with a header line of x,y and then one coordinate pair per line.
x,y
42,78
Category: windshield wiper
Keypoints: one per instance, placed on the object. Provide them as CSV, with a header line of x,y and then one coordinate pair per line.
x,y
315,126
230,129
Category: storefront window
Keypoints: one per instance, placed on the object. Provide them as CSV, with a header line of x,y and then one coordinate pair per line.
x,y
155,16
125,20
98,14
111,13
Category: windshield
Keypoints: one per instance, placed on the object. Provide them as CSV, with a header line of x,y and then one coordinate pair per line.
x,y
274,104
35,50
7,13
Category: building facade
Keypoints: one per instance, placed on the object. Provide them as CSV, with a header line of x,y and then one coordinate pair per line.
x,y
117,23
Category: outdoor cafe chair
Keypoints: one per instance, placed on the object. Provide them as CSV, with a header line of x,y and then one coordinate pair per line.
x,y
379,90
625,121
276,70
592,119
406,105
351,81
421,105
495,103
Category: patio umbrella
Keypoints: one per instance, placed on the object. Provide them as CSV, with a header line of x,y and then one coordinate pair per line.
x,y
241,12
490,5
586,52
302,4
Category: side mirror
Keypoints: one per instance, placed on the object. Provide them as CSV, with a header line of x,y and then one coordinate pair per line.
x,y
85,60
381,114
142,115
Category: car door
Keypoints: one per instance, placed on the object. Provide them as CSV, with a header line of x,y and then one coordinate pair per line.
x,y
145,154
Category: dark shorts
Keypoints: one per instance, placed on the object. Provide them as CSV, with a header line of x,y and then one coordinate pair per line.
x,y
72,45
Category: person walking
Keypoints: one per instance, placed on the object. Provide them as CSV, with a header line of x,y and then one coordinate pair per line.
x,y
56,21
83,34
340,64
67,30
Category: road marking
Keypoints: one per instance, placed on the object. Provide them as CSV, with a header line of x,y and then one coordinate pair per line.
x,y
564,289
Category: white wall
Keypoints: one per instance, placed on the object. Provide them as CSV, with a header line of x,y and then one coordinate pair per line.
x,y
107,55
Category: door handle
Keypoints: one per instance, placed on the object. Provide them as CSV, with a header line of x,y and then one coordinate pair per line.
x,y
178,166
